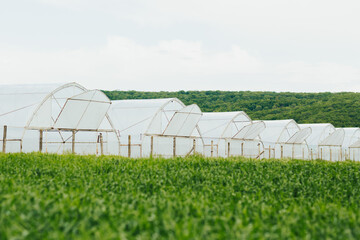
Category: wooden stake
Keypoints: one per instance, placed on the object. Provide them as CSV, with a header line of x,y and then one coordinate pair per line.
x,y
212,148
269,152
174,147
73,142
194,146
330,155
228,149
151,146
129,146
242,149
4,139
282,151
101,144
41,141
321,153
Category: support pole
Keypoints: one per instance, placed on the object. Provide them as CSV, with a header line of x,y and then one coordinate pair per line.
x,y
73,142
101,144
259,148
293,151
212,148
269,152
41,141
4,139
129,146
321,153
174,147
151,146
282,151
242,149
228,149
194,146
330,154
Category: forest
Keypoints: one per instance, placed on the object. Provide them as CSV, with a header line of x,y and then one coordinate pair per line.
x,y
341,109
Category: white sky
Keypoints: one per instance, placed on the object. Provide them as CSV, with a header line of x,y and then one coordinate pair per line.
x,y
272,45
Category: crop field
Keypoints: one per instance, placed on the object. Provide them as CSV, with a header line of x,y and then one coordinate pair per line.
x,y
44,196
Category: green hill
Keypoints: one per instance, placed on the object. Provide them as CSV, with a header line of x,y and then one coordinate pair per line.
x,y
340,109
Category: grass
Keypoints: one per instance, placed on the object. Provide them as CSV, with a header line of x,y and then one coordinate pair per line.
x,y
44,196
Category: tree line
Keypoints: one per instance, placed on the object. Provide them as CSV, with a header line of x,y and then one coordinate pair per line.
x,y
340,109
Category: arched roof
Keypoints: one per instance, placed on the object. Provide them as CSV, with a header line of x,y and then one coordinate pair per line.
x,y
216,125
352,135
152,116
278,131
334,139
319,131
21,103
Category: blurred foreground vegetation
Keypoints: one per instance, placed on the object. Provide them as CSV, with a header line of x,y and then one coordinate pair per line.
x,y
44,196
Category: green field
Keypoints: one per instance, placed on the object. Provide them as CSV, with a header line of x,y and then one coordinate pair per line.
x,y
83,197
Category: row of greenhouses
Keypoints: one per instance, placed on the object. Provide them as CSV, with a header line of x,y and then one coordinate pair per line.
x,y
68,118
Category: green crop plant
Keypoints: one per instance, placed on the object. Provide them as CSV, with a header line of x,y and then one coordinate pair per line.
x,y
47,196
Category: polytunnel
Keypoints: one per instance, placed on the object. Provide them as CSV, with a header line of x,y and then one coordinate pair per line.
x,y
354,151
284,139
55,118
352,136
156,127
331,147
230,134
319,131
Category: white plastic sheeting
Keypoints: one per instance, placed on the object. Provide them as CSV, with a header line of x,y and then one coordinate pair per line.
x,y
52,108
161,127
354,151
285,139
331,147
319,131
230,134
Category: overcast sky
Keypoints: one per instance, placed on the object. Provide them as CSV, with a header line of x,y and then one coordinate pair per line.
x,y
271,45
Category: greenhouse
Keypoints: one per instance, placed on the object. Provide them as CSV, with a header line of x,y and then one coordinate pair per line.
x,y
319,131
158,127
331,147
354,151
230,134
55,118
284,139
352,136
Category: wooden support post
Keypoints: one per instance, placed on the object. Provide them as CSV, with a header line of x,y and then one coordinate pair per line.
x,y
174,147
330,155
212,148
282,151
129,146
269,152
41,141
4,139
354,155
228,149
341,154
101,144
321,153
151,146
73,142
293,151
259,148
194,146
242,149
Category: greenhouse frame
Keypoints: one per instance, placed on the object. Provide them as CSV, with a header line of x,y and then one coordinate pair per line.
x,y
156,127
55,118
230,134
285,139
319,131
